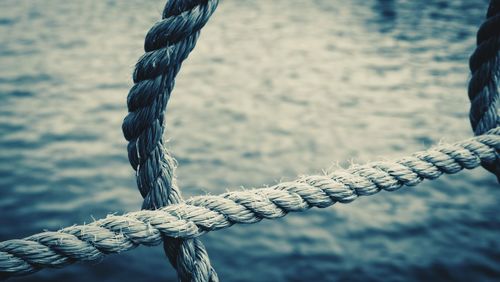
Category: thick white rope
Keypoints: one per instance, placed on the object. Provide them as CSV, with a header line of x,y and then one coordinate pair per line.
x,y
198,215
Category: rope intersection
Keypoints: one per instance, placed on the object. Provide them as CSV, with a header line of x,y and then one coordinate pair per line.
x,y
168,43
166,218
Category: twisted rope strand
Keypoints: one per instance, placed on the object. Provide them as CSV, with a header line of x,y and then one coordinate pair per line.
x,y
201,214
168,43
484,83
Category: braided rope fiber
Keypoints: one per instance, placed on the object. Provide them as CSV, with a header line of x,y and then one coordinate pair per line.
x,y
484,84
201,214
167,45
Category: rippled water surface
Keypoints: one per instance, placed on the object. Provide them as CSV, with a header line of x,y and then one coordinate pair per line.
x,y
274,89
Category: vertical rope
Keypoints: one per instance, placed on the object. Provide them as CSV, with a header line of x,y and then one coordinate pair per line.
x,y
167,45
484,83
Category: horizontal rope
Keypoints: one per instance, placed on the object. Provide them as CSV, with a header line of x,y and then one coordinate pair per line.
x,y
201,214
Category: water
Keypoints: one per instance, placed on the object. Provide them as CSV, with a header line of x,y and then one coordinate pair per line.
x,y
274,89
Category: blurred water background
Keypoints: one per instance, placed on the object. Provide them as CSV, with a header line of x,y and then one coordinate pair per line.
x,y
274,89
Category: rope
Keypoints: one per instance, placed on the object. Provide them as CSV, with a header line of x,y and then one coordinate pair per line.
x,y
484,85
167,45
201,214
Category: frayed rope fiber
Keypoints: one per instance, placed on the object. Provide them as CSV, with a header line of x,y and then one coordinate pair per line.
x,y
201,214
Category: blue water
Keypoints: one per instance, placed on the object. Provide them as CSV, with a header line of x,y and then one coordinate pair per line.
x,y
274,89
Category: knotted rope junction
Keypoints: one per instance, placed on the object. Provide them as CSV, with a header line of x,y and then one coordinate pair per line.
x,y
167,218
